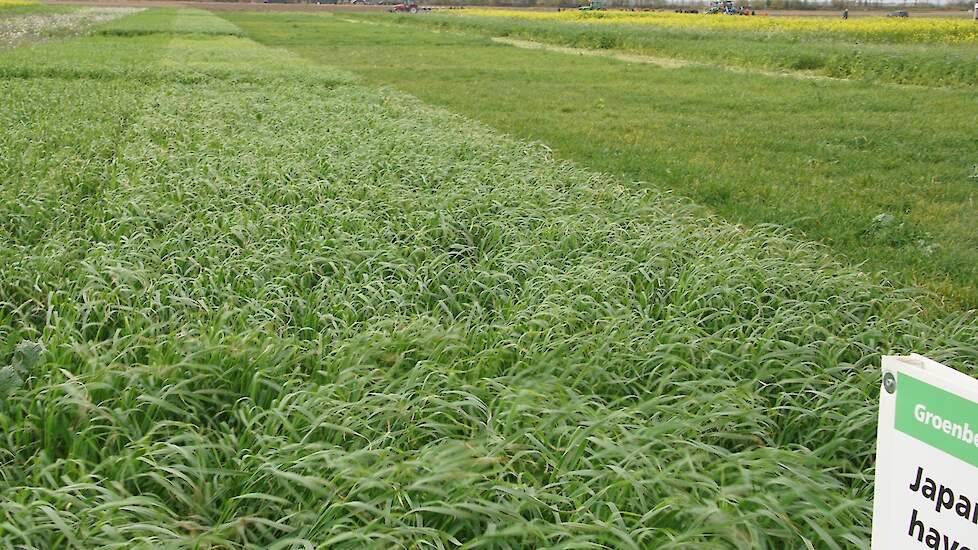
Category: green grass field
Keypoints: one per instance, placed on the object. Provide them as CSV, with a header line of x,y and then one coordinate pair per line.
x,y
883,175
251,300
918,51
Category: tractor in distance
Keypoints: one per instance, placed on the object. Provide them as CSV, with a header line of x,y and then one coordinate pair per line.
x,y
410,7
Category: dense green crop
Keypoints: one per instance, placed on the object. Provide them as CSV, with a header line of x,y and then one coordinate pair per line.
x,y
286,310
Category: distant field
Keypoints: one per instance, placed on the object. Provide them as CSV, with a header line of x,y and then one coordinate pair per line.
x,y
937,52
249,299
872,29
30,23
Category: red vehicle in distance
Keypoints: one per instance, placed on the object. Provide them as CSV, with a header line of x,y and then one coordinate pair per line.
x,y
410,8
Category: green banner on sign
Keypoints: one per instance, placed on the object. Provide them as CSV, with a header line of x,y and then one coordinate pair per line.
x,y
938,418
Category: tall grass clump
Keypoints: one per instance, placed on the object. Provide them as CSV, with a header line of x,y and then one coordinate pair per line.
x,y
290,311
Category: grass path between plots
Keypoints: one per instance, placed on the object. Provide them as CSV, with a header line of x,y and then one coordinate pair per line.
x,y
664,62
883,175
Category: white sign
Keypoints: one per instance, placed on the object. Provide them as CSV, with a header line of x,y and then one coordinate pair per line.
x,y
926,458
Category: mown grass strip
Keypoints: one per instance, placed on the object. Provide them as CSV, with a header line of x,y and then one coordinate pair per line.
x,y
850,57
173,21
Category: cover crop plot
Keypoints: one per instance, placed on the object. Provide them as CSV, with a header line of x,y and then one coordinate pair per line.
x,y
38,23
249,302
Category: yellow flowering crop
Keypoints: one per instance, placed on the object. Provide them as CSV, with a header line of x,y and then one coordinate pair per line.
x,y
870,29
8,3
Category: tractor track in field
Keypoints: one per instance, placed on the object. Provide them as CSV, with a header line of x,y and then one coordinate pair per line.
x,y
664,62
676,63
